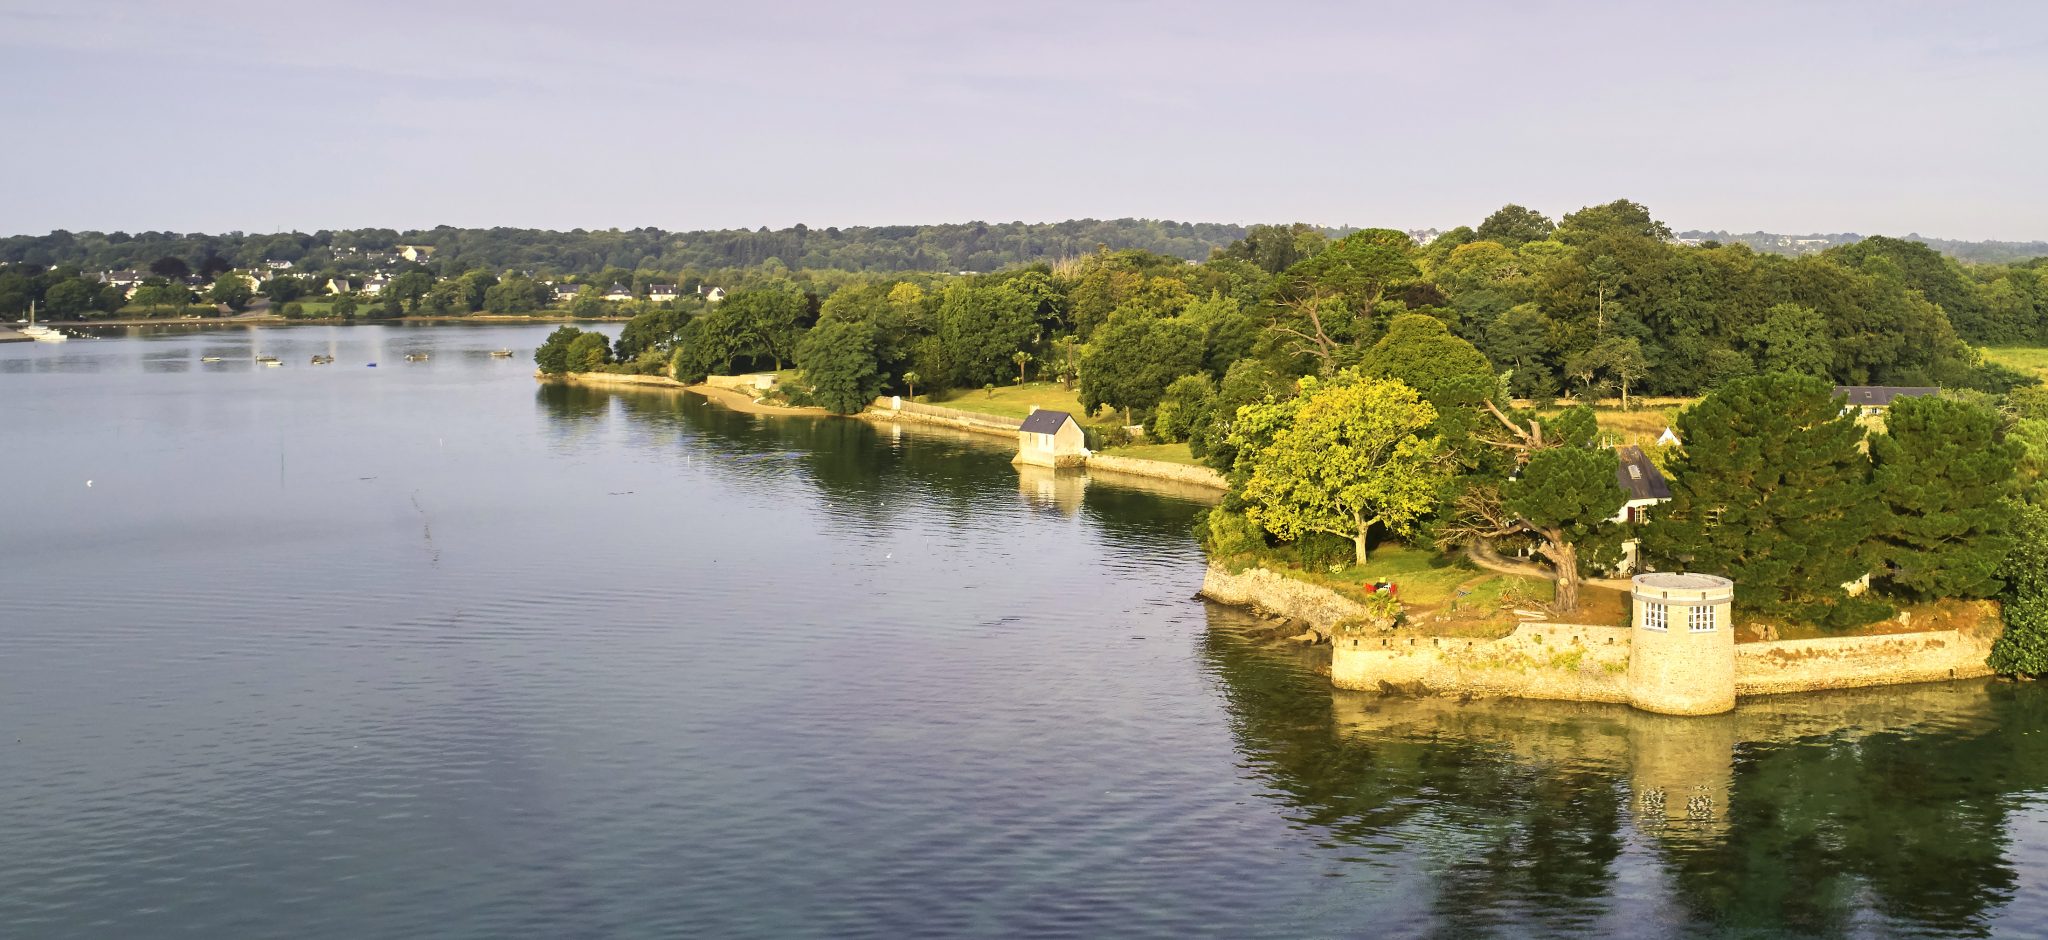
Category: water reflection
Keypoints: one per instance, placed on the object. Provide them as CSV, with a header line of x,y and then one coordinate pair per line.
x,y
1808,815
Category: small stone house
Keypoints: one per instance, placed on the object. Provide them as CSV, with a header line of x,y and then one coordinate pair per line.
x,y
1051,439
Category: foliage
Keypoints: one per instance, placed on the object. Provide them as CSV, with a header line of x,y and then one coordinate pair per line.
x,y
588,352
980,328
2022,648
1247,382
231,289
553,355
1132,359
1185,405
1343,457
653,329
1942,470
1772,490
838,360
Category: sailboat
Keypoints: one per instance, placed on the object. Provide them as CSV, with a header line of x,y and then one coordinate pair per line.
x,y
41,334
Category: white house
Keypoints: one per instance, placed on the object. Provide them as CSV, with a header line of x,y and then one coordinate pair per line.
x,y
340,285
1051,439
618,291
661,293
1645,486
374,286
1872,400
415,252
712,295
565,293
275,265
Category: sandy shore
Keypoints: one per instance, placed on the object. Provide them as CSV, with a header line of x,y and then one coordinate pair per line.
x,y
740,402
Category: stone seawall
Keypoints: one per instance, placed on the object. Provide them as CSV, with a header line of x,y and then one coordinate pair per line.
x,y
612,379
1158,469
1584,663
1852,661
1572,662
1280,595
907,416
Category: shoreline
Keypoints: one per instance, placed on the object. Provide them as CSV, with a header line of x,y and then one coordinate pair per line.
x,y
726,397
275,320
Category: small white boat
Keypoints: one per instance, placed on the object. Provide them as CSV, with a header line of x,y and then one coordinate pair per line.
x,y
272,363
209,358
501,354
415,357
41,334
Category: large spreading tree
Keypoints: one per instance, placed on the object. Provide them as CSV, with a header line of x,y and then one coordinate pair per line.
x,y
1772,489
1563,492
1943,469
1343,457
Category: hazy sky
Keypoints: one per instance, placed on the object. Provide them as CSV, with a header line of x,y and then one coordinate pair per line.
x,y
210,115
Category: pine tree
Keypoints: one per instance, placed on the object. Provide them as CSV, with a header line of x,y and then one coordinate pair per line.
x,y
1772,490
1942,470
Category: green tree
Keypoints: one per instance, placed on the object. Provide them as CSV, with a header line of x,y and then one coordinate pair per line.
x,y
1512,225
231,289
650,329
910,380
1792,338
553,355
2022,649
285,288
838,360
1246,382
980,328
1343,457
589,352
773,316
1453,375
409,287
1022,359
1564,493
1943,469
70,298
1132,359
1622,361
1772,489
1185,407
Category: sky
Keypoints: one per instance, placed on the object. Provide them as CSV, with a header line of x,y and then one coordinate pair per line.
x,y
220,115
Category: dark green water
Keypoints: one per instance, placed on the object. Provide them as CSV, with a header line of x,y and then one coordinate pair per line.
x,y
425,651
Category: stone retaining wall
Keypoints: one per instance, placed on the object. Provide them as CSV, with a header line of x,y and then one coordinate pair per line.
x,y
1158,469
1851,661
611,378
1583,663
1572,662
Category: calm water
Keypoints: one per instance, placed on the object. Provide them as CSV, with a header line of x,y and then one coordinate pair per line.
x,y
423,650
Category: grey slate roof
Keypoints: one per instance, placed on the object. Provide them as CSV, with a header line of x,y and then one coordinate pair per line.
x,y
1045,421
1640,478
1881,396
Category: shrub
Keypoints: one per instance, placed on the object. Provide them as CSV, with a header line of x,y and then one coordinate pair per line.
x,y
1229,533
2022,650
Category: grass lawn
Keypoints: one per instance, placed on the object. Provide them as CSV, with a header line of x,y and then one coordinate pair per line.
x,y
1441,595
2033,360
1167,453
1009,401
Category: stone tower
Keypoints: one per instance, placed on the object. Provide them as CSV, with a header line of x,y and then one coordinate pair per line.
x,y
1682,644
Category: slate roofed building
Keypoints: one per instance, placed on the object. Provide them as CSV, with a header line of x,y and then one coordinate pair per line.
x,y
1050,438
1645,486
1643,483
1869,400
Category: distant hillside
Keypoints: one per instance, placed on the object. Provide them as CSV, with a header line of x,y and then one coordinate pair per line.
x,y
969,246
1989,252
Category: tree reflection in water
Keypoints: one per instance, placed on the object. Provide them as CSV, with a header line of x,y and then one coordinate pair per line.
x,y
1817,814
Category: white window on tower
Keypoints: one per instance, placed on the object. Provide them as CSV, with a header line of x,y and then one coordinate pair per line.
x,y
1701,619
1655,617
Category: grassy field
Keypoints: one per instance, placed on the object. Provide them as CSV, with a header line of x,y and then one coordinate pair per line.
x,y
1009,401
2033,360
1642,424
1444,595
1168,453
